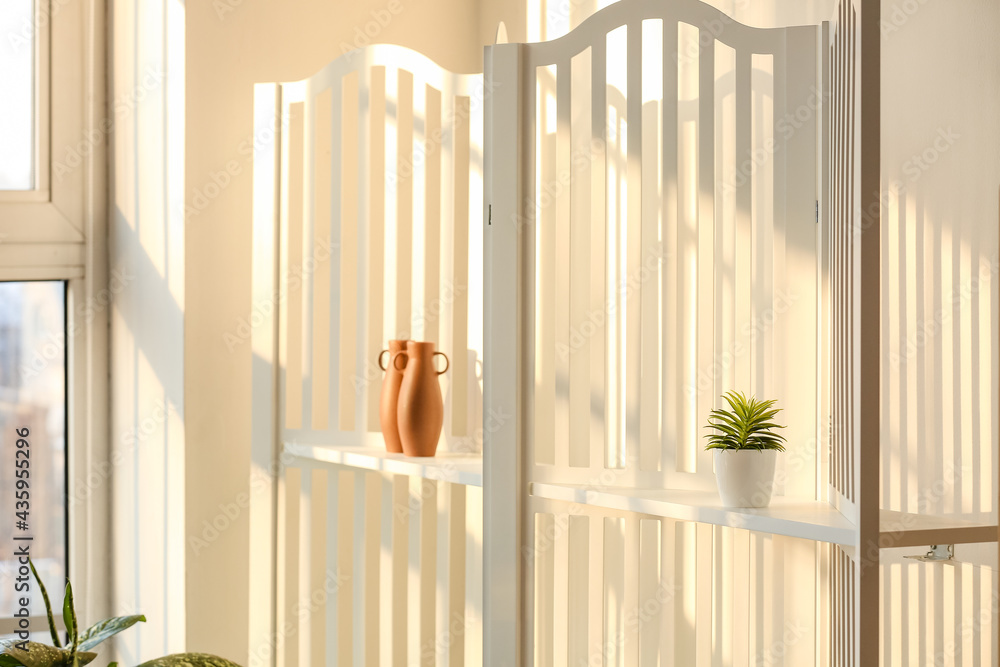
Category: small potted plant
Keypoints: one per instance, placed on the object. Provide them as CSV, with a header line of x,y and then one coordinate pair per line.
x,y
745,445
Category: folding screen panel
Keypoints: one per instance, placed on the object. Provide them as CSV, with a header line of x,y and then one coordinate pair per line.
x,y
367,228
662,208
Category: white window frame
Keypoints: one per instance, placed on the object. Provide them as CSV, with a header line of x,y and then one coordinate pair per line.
x,y
58,231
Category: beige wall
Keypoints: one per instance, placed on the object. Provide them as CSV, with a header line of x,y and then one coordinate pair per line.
x,y
227,52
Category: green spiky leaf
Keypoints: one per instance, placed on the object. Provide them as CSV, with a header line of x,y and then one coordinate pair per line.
x,y
39,655
190,660
747,424
69,616
106,629
48,606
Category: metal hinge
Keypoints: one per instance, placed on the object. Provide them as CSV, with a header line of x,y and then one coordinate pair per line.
x,y
939,553
817,211
489,215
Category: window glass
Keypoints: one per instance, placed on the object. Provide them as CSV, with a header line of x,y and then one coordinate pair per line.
x,y
33,397
17,63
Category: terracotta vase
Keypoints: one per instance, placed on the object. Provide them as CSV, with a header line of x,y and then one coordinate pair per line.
x,y
390,394
420,410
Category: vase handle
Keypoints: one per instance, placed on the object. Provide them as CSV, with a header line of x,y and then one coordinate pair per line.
x,y
447,363
397,356
380,364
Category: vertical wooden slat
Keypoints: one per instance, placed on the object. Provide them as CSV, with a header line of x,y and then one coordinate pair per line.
x,y
322,165
703,534
292,240
558,191
412,579
292,561
433,215
580,255
300,613
402,186
562,556
458,615
653,596
633,222
375,220
595,590
544,234
460,342
353,207
703,354
722,621
741,597
672,585
686,279
334,569
428,569
345,558
632,596
685,556
651,252
304,266
743,243
544,552
669,368
442,589
614,591
343,111
364,609
578,585
598,266
320,577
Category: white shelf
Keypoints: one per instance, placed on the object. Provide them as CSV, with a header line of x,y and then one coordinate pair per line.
x,y
451,467
808,519
899,529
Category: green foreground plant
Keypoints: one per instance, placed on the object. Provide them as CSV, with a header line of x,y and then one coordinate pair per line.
x,y
748,424
23,653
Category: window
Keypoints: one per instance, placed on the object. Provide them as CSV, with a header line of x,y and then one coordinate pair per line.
x,y
53,259
33,396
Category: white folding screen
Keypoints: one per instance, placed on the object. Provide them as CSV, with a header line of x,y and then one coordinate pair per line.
x,y
368,224
662,210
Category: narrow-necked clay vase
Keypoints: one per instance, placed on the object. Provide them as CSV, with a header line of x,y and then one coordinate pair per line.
x,y
390,394
420,410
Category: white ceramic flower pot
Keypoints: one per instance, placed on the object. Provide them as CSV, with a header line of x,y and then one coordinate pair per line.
x,y
745,477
